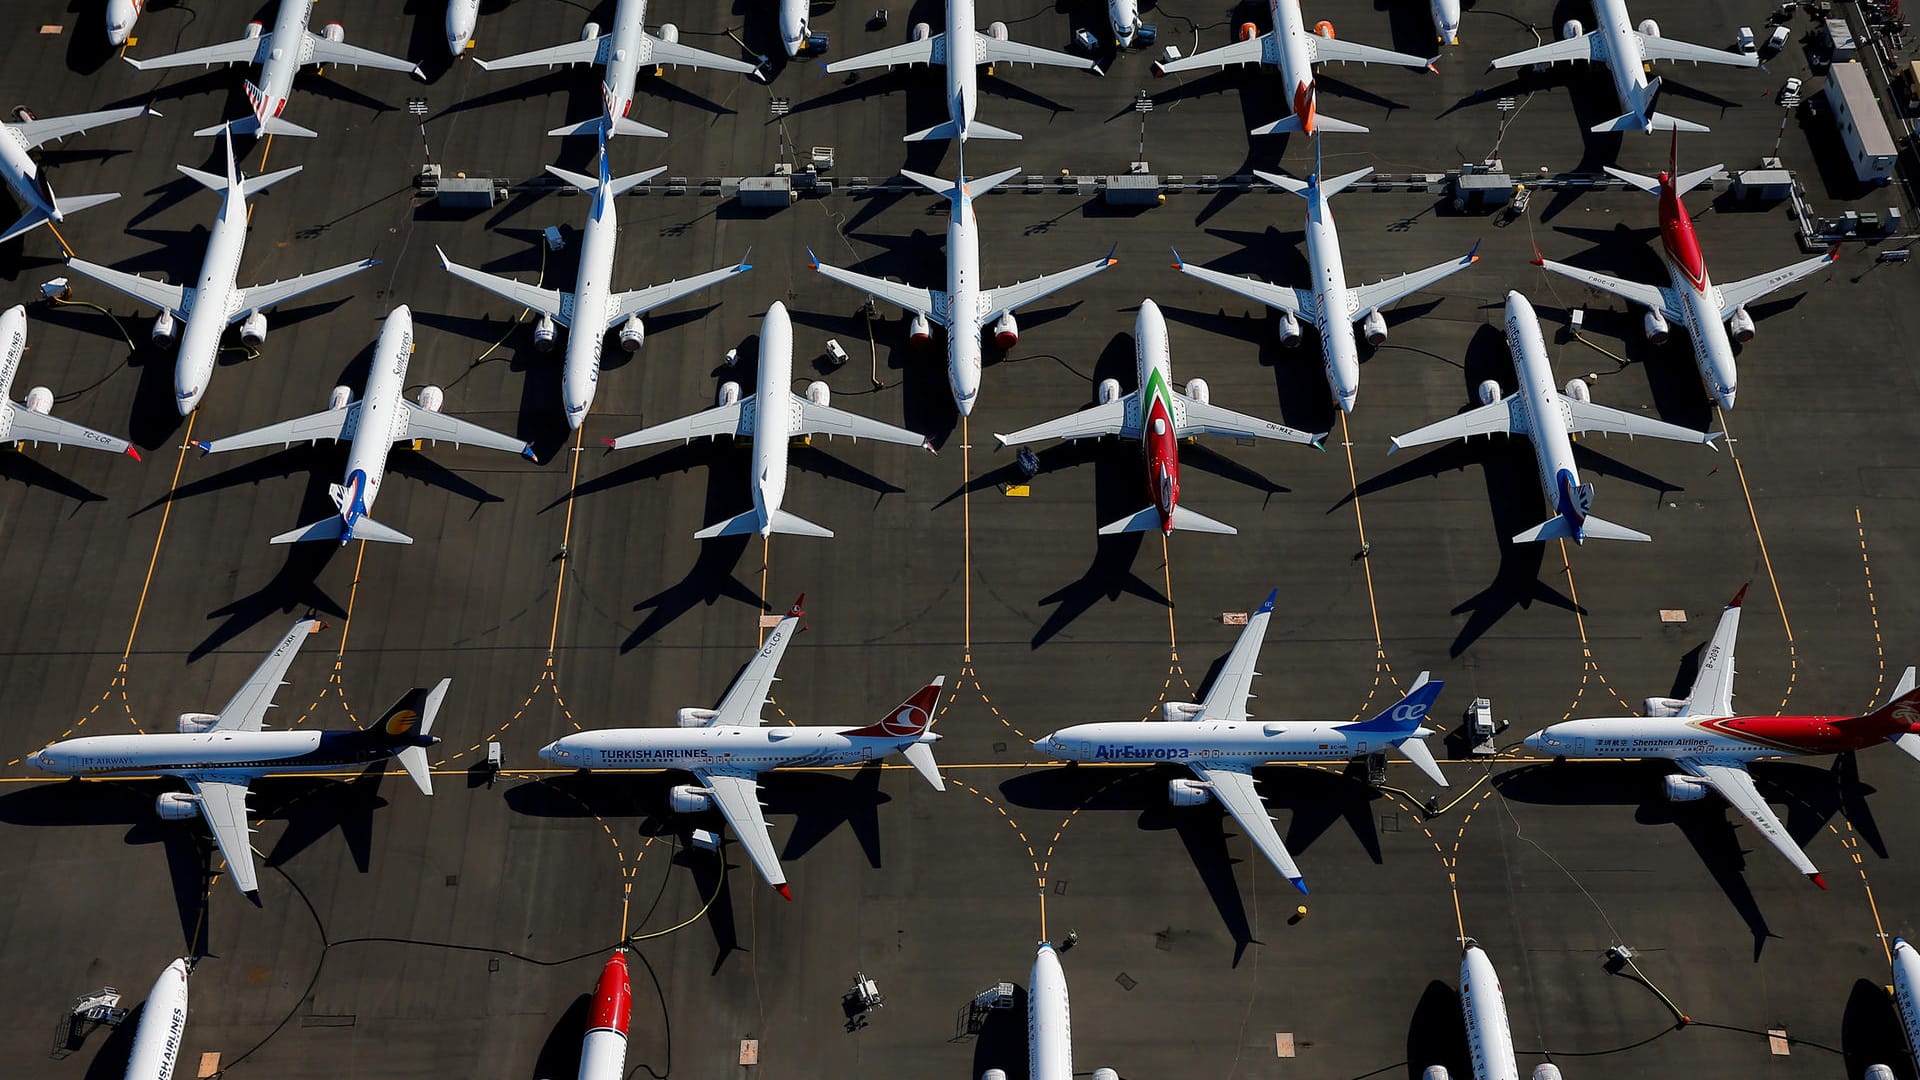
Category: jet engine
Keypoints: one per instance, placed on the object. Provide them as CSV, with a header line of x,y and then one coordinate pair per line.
x,y
1323,28
165,329
921,31
177,805
1435,1072
193,723
1109,391
729,393
333,31
1659,707
1740,325
1006,331
40,400
1686,788
633,334
1655,327
1247,32
1001,1074
1184,792
689,799
691,717
1489,392
1877,1072
545,333
23,114
1197,390
1178,712
669,33
590,31
819,393
1571,29
997,31
919,331
1650,28
1375,327
1577,390
253,330
340,398
1289,330
1552,1072
432,398
253,30
1105,1074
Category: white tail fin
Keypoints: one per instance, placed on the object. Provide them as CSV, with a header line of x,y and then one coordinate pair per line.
x,y
1559,528
253,125
335,528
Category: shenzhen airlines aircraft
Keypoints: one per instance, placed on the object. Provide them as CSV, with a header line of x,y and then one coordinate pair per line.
x,y
1291,48
1627,53
281,53
31,421
1159,416
1548,417
1715,315
29,184
1222,744
962,49
726,748
220,754
1713,745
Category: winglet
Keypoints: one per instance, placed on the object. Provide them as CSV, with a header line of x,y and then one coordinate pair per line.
x,y
1433,65
1817,880
527,452
201,445
1301,884
1320,442
1473,255
812,259
1833,253
796,611
133,452
785,893
1111,251
1177,264
1538,259
254,895
1739,596
744,265
444,261
1268,606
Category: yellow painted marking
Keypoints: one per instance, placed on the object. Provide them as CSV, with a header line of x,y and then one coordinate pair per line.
x,y
1873,609
566,537
966,544
166,512
1753,515
55,230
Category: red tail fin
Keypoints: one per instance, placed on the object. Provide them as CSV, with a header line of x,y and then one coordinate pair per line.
x,y
1901,716
907,719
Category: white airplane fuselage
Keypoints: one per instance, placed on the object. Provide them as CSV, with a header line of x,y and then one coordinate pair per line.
x,y
23,173
462,17
772,413
963,296
592,292
1339,351
13,346
1049,1021
284,60
753,749
1211,742
1906,985
213,297
1124,17
963,62
793,26
1484,1006
1296,67
162,1028
383,417
1446,20
623,63
121,15
234,754
1159,442
1722,738
1626,62
1546,415
1700,300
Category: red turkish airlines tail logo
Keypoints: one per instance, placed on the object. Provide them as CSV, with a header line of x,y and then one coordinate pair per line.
x,y
908,719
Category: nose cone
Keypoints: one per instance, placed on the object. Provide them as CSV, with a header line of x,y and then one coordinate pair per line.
x,y
1345,399
37,760
1535,740
457,44
188,399
117,35
1725,397
576,415
1046,744
965,401
550,752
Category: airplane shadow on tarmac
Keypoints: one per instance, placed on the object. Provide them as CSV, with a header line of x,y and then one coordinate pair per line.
x,y
1437,1033
1870,1032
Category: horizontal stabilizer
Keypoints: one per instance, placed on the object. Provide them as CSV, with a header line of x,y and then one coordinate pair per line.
x,y
334,528
253,125
70,203
1416,751
750,522
980,129
938,133
1321,122
920,756
621,126
248,187
29,221
1184,520
1558,528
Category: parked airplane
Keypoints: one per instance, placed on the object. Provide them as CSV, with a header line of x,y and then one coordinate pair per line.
x,y
592,308
1446,20
163,1023
622,53
794,26
1713,745
1123,17
1489,1037
370,427
23,175
603,1052
1715,316
771,428
1906,984
1219,741
220,754
962,49
1049,1024
281,53
121,15
966,308
462,17
207,309
726,749
1546,416
1627,53
32,421
1329,303
1159,416
1291,48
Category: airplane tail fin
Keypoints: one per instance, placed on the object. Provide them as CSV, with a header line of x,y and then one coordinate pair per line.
x,y
1899,717
910,720
410,719
750,521
335,528
1400,725
249,186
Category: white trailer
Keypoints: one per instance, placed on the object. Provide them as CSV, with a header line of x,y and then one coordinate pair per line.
x,y
1863,129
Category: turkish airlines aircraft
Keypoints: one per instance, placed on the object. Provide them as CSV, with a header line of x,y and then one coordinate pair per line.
x,y
1159,416
622,53
1548,417
962,49
1221,743
772,416
163,1024
1329,303
281,53
32,421
1715,316
1713,745
1290,47
220,754
370,427
29,184
726,748
1627,53
966,308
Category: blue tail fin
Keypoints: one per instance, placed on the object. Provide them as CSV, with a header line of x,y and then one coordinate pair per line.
x,y
1403,716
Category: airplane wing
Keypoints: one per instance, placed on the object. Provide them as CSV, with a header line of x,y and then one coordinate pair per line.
x,y
247,711
550,302
30,426
1335,50
331,424
1735,785
169,298
262,297
641,301
1747,290
1111,418
1381,294
1494,419
737,794
931,51
994,51
322,51
1258,50
1297,302
1587,46
1011,297
1666,48
1199,418
826,420
36,132
1649,296
573,52
662,51
928,302
223,803
1236,789
243,51
734,419
748,694
1586,416
1712,693
424,423
1227,698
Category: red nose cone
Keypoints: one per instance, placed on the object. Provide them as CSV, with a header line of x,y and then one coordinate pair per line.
x,y
612,998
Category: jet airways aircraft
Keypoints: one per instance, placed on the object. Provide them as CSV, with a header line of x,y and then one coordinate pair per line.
x,y
32,421
217,301
1713,745
1291,48
462,17
1159,416
1715,315
1543,414
29,184
281,52
220,754
1329,303
962,49
1222,744
726,748
966,308
592,308
622,53
370,427
1628,53
121,15
772,427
